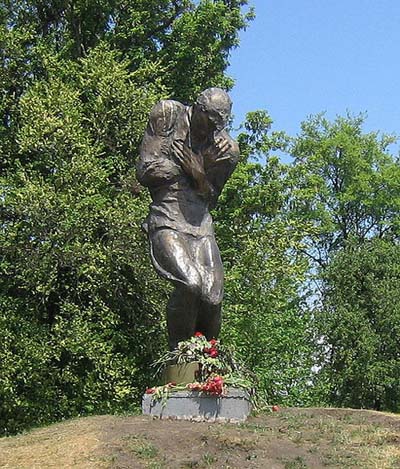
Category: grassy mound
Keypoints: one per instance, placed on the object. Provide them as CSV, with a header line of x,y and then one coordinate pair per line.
x,y
288,439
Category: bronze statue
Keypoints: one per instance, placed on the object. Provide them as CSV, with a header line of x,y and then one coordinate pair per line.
x,y
185,159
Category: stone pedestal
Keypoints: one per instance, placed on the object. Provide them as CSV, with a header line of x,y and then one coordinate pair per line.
x,y
235,406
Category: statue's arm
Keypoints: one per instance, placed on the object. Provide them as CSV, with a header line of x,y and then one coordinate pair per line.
x,y
155,166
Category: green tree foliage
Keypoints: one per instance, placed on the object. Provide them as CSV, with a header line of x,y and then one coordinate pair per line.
x,y
360,326
208,32
190,39
347,183
81,309
79,313
265,312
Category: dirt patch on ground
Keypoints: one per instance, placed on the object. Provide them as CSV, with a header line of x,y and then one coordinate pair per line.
x,y
288,439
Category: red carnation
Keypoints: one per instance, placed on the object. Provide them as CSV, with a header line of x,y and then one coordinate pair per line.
x,y
214,385
198,334
213,353
213,342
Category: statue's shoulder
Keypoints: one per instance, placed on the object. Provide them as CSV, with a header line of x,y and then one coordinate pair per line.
x,y
164,115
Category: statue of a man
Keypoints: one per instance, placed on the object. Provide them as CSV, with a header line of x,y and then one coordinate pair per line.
x,y
185,159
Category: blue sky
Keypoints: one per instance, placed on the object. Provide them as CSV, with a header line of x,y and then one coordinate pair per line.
x,y
301,57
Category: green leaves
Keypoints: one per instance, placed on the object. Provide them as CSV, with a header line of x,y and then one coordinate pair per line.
x,y
75,273
264,311
346,186
360,324
196,51
346,183
82,309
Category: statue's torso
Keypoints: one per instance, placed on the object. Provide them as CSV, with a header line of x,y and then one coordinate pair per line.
x,y
177,204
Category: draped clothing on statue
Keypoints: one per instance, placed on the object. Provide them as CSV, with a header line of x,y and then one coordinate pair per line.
x,y
177,204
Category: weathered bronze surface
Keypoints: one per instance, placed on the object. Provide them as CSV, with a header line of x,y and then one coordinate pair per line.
x,y
185,160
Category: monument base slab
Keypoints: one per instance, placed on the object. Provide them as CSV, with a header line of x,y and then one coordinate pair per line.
x,y
234,406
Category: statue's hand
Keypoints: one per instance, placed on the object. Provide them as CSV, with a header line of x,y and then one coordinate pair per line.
x,y
223,146
190,162
217,152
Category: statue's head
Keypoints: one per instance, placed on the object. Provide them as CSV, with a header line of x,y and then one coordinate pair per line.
x,y
215,105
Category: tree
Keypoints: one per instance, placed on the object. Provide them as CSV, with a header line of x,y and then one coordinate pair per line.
x,y
79,313
265,313
81,310
346,184
360,326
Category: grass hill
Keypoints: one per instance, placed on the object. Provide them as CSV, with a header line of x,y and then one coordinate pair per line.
x,y
288,439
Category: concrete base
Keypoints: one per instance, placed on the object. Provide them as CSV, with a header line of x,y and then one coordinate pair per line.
x,y
235,406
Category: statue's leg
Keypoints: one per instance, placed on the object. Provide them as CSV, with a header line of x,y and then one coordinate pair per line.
x,y
182,312
209,319
209,315
173,258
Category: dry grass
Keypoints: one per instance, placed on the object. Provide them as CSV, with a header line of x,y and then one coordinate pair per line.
x,y
69,444
290,439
